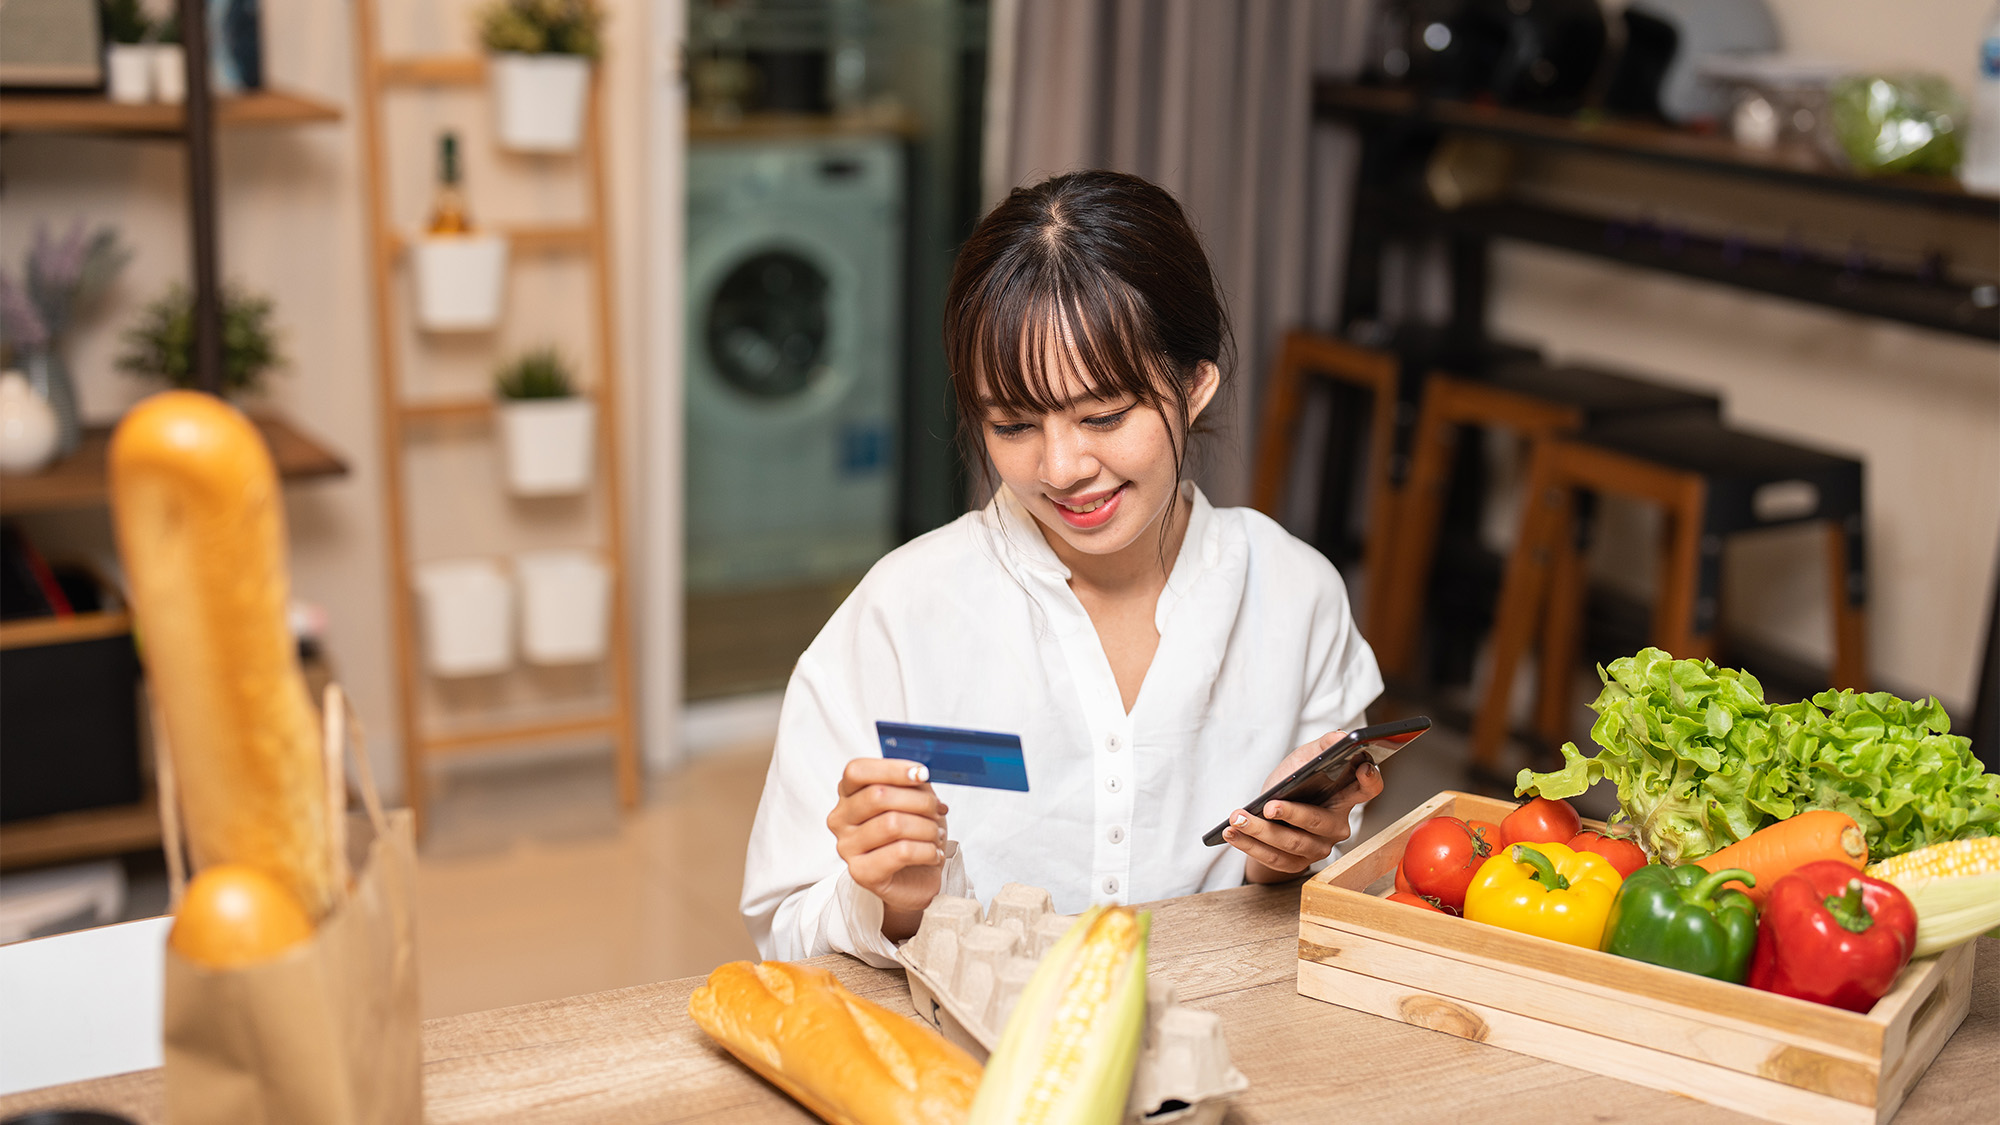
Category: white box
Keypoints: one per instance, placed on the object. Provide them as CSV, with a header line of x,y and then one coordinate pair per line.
x,y
565,606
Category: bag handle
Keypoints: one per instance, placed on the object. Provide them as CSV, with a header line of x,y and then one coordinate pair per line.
x,y
338,717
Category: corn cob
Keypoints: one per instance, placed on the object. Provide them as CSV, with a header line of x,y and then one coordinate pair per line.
x,y
1067,1053
1955,887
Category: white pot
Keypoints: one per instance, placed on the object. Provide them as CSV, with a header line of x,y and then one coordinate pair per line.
x,y
170,75
468,617
565,606
539,100
128,73
28,431
549,444
461,280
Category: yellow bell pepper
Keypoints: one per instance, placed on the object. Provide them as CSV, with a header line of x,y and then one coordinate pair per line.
x,y
1546,890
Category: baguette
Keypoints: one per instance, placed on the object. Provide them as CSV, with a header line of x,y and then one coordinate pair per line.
x,y
202,536
847,1060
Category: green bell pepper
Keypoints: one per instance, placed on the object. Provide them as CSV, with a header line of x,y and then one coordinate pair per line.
x,y
1680,917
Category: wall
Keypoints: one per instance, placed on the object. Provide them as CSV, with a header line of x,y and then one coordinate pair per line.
x,y
1922,408
292,227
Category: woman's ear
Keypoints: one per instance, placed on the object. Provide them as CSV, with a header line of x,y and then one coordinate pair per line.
x,y
1207,380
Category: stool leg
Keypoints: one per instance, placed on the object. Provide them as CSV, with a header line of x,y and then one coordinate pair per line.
x,y
1847,581
1394,632
1385,501
1521,592
1674,626
1277,431
1562,625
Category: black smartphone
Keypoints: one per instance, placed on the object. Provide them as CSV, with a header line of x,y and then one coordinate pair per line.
x,y
1333,770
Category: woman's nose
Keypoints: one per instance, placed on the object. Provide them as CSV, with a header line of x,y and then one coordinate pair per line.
x,y
1066,458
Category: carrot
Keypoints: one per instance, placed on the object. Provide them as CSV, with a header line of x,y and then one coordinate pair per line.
x,y
1776,850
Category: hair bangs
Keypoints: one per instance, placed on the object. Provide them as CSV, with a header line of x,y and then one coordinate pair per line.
x,y
1052,328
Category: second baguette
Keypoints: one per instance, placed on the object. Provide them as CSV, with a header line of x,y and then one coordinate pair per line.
x,y
847,1060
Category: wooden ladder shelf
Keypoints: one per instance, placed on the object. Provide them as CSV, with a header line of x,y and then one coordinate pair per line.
x,y
379,76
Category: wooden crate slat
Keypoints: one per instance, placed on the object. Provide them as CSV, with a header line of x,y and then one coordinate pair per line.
x,y
1542,1039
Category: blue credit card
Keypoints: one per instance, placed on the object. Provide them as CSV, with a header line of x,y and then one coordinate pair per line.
x,y
959,757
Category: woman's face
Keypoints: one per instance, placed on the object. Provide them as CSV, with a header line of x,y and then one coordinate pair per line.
x,y
1099,472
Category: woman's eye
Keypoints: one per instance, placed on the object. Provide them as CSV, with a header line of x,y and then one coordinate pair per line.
x,y
1107,421
1011,429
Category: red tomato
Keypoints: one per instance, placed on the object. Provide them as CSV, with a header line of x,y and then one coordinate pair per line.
x,y
1540,821
1490,831
1403,886
1420,902
1443,856
1624,854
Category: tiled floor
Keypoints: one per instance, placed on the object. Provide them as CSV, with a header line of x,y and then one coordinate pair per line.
x,y
532,887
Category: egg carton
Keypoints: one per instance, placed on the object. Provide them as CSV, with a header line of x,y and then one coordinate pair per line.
x,y
967,968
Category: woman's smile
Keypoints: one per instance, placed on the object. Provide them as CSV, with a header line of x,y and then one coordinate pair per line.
x,y
1091,509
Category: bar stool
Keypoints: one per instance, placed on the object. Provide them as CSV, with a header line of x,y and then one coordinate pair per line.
x,y
1534,400
1713,481
1393,375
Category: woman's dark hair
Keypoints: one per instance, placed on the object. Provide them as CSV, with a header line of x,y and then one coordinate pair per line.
x,y
1109,260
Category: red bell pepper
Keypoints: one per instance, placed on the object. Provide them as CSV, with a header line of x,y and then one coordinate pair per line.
x,y
1833,935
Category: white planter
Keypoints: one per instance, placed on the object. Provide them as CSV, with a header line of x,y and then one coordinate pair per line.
x,y
28,431
539,100
128,73
565,606
549,445
461,280
468,617
170,82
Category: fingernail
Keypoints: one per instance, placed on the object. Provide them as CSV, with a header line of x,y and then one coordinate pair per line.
x,y
1273,811
1229,833
1239,818
943,808
920,772
940,855
940,833
1371,768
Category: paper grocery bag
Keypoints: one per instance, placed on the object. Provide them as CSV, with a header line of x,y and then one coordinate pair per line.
x,y
328,1033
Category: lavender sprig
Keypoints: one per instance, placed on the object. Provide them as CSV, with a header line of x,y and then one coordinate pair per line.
x,y
21,323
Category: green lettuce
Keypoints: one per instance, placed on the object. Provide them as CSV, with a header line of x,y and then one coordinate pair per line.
x,y
1701,761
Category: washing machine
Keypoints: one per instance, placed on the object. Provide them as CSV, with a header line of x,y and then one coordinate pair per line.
x,y
794,357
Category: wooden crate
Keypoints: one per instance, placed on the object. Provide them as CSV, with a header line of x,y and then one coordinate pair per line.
x,y
1771,1056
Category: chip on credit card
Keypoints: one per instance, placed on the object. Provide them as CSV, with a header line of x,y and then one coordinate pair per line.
x,y
959,757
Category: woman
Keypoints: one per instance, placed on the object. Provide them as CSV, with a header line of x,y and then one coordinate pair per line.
x,y
1157,657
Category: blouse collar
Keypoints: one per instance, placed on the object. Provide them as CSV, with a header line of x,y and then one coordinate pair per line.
x,y
1028,553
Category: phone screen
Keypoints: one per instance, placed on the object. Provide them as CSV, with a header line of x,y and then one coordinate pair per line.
x,y
1316,782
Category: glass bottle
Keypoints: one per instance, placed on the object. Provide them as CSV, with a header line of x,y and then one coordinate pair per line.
x,y
448,213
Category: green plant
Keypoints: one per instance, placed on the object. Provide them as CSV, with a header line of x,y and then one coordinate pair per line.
x,y
125,21
542,27
161,344
542,373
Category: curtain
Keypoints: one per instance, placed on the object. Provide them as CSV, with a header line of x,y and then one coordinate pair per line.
x,y
1211,99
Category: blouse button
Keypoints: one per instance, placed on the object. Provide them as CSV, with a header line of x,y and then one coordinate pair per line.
x,y
1111,743
1116,835
1111,886
1111,784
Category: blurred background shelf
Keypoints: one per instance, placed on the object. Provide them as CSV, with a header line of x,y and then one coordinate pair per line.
x,y
87,834
70,113
80,481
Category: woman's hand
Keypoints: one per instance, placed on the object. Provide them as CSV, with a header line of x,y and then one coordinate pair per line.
x,y
889,828
1280,851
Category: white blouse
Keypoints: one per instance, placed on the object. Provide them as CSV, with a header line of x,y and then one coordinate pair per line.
x,y
974,625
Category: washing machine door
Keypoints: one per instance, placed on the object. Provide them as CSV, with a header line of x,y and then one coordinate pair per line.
x,y
792,383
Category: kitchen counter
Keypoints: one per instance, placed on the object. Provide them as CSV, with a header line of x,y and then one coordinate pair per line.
x,y
632,1055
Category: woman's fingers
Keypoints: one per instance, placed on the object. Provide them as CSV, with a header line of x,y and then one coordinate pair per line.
x,y
886,829
874,870
863,772
1300,844
1248,838
864,794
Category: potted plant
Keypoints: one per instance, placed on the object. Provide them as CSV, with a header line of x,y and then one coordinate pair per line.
x,y
128,56
546,428
542,53
161,344
61,278
169,61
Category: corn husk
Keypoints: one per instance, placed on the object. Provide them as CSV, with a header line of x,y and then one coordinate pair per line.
x,y
1069,1049
1952,910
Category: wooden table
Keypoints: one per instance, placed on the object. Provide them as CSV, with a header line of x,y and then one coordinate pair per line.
x,y
632,1055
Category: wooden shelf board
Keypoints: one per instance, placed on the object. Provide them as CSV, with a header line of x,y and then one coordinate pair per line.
x,y
432,70
88,834
448,410
529,238
707,126
36,631
480,739
79,480
91,113
1644,140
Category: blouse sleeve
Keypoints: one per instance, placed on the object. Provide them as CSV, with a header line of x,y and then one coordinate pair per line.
x,y
798,898
1343,678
